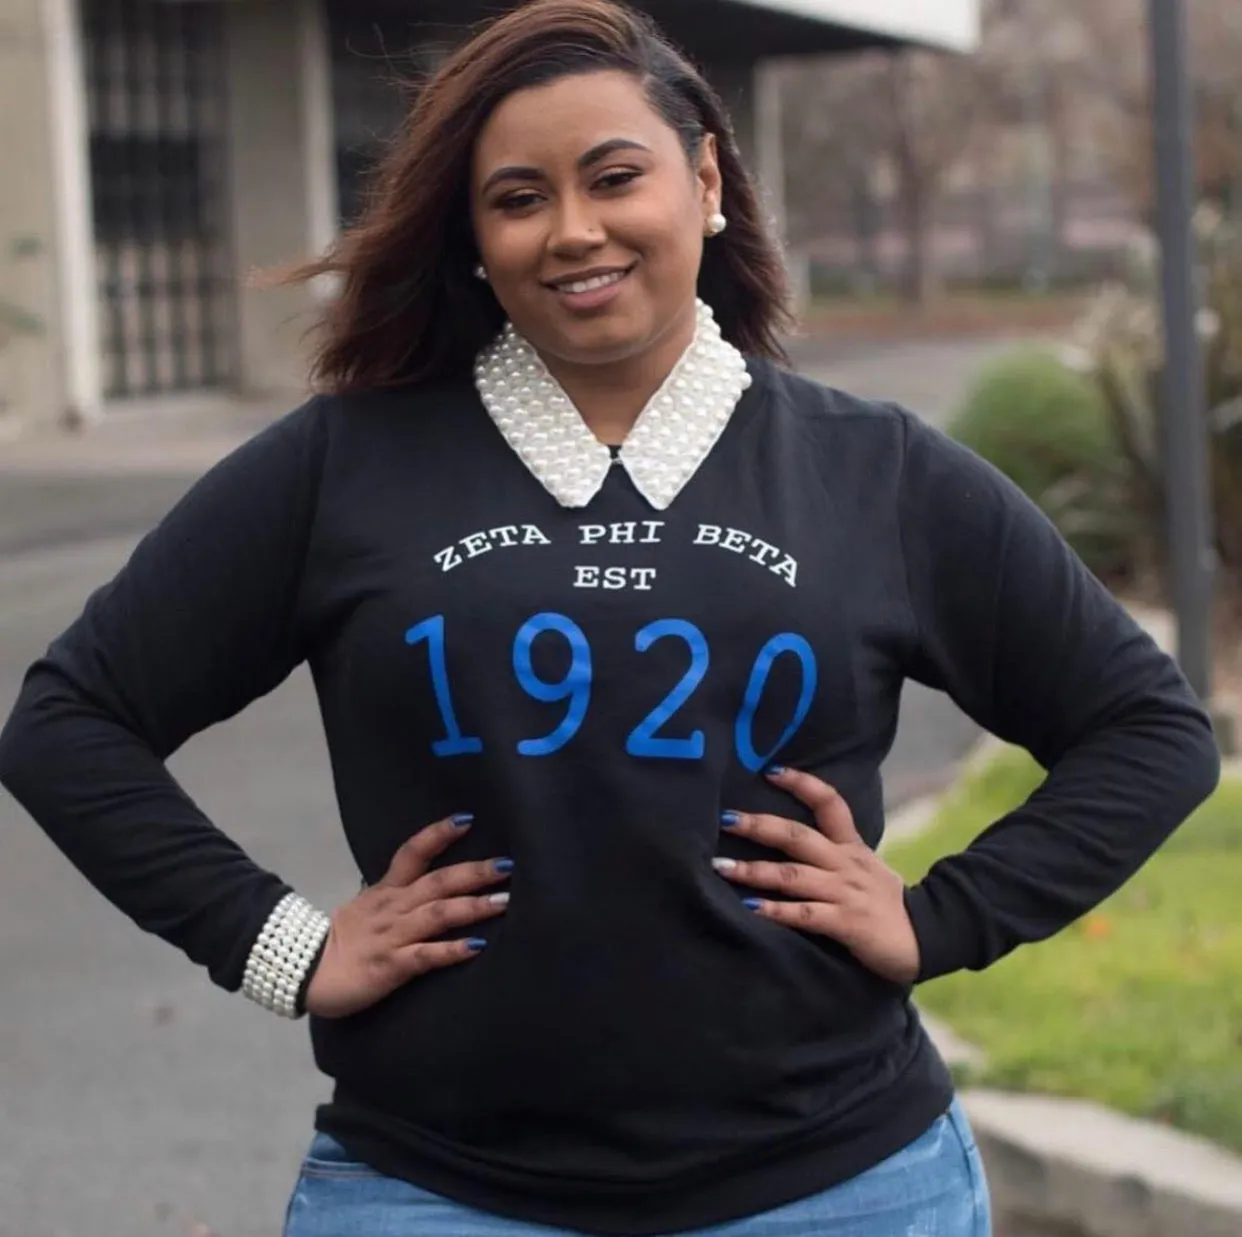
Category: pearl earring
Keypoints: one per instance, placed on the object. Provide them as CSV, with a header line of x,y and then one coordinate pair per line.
x,y
480,272
716,223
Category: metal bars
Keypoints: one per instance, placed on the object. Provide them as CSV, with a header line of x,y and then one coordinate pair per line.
x,y
155,92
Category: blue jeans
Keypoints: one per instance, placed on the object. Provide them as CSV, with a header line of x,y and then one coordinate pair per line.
x,y
934,1187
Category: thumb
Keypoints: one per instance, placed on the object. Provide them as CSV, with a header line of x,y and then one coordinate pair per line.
x,y
832,813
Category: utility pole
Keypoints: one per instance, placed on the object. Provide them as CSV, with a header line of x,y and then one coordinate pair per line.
x,y
1187,479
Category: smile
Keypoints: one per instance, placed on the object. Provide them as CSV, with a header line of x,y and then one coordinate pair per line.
x,y
596,281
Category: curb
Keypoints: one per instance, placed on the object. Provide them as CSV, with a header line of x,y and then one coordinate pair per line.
x,y
1083,1170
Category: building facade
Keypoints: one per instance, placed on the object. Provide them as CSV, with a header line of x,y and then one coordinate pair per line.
x,y
159,151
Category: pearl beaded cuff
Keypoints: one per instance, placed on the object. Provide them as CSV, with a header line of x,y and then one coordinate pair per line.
x,y
283,955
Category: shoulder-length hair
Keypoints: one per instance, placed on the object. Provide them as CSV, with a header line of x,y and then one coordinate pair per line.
x,y
407,307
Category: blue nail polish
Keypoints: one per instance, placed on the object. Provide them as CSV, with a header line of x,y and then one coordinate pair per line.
x,y
777,770
462,819
728,820
476,944
752,904
503,866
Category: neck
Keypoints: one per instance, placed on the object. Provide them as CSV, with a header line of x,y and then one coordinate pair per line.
x,y
611,397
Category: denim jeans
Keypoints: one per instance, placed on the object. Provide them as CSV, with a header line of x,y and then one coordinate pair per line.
x,y
933,1188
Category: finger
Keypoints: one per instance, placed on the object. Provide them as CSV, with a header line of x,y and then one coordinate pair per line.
x,y
416,853
452,881
413,960
433,919
832,813
801,842
793,880
818,918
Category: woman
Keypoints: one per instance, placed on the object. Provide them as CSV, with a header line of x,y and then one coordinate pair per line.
x,y
622,606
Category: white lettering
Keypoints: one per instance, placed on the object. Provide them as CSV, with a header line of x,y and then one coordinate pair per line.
x,y
787,569
591,533
622,534
708,534
448,558
653,531
762,548
735,540
614,578
476,544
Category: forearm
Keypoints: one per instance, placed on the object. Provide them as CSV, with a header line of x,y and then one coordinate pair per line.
x,y
110,805
1105,808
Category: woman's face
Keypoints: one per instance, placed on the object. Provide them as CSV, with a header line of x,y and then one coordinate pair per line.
x,y
590,219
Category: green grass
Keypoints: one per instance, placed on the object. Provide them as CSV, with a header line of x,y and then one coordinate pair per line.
x,y
1139,1004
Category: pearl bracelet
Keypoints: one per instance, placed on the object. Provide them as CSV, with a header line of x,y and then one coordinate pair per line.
x,y
283,955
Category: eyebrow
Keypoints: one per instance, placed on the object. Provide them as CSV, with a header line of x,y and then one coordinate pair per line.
x,y
595,155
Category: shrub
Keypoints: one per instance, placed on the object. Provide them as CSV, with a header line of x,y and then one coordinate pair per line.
x,y
1048,429
1119,345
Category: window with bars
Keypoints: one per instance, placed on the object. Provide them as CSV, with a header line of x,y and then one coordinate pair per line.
x,y
155,92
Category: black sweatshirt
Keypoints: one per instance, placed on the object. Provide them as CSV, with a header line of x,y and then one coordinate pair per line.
x,y
635,1052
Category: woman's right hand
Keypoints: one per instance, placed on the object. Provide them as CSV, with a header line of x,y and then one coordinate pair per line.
x,y
385,936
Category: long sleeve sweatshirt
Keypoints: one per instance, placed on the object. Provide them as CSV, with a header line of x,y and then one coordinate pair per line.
x,y
635,1052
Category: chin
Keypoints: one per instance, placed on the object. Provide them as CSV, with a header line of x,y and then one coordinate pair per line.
x,y
599,341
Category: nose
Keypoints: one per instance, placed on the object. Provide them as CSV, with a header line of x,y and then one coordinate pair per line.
x,y
576,228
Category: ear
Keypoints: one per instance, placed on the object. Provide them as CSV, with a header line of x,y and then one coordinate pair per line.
x,y
708,175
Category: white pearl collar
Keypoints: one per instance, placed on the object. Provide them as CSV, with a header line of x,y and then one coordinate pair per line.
x,y
670,439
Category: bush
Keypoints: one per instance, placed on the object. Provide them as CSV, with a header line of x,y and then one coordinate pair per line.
x,y
1048,429
1118,344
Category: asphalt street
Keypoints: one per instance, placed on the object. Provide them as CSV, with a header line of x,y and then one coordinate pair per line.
x,y
137,1099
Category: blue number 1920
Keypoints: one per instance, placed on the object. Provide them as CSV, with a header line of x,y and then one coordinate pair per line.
x,y
575,688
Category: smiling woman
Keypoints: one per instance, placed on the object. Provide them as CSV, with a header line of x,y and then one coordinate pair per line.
x,y
576,562
571,146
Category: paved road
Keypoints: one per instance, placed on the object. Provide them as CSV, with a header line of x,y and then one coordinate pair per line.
x,y
138,1100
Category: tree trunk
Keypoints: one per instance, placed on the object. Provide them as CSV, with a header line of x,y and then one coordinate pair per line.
x,y
916,283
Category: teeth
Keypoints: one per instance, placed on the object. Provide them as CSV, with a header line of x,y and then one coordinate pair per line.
x,y
589,285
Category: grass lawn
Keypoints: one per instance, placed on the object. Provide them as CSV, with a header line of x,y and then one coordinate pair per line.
x,y
1139,1004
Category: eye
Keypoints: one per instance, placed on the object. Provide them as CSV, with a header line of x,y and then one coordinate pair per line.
x,y
512,203
617,179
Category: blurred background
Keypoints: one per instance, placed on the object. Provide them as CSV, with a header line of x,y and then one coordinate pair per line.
x,y
969,198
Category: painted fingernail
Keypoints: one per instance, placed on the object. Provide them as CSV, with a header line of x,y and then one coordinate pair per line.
x,y
777,770
503,866
462,819
724,865
753,904
499,899
729,820
476,944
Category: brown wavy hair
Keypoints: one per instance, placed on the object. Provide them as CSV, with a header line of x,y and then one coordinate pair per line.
x,y
408,308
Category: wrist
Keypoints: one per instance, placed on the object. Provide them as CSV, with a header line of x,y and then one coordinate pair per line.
x,y
284,956
300,1004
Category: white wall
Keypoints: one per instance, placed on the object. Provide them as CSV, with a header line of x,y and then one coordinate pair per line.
x,y
45,208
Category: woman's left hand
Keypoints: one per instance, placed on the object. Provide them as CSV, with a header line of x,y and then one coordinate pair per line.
x,y
838,886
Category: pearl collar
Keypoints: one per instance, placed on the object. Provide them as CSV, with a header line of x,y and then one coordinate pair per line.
x,y
673,434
